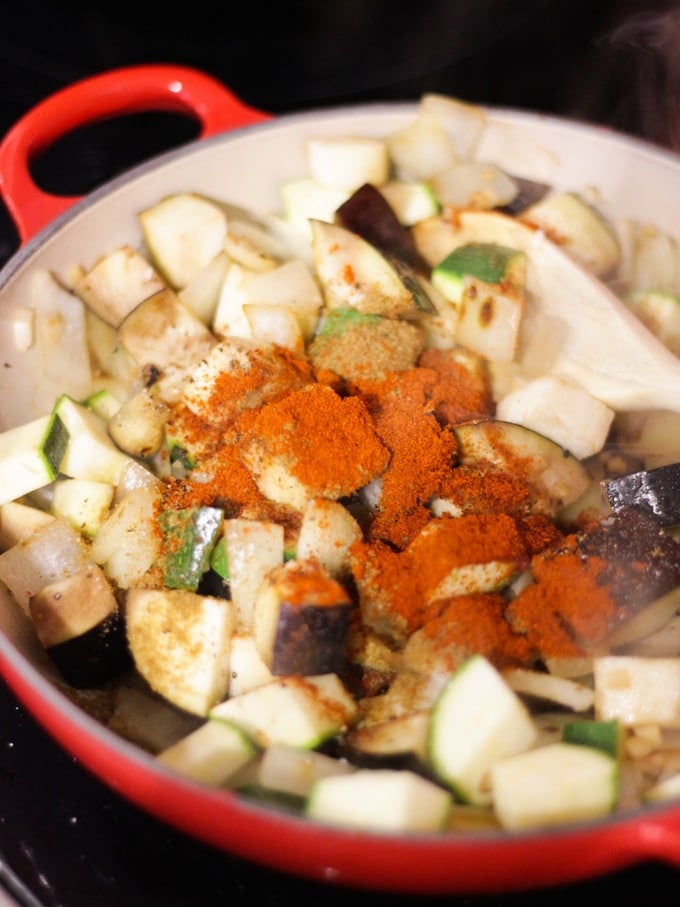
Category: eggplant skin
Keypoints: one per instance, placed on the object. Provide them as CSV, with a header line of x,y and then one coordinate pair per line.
x,y
95,657
654,491
311,639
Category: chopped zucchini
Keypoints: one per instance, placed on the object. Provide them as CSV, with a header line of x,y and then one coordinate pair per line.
x,y
381,799
90,453
189,537
411,202
485,283
212,754
315,709
477,720
31,456
554,784
602,735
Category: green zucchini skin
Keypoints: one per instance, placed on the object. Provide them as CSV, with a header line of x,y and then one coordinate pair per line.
x,y
190,536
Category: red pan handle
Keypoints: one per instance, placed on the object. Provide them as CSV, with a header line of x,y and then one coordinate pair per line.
x,y
136,89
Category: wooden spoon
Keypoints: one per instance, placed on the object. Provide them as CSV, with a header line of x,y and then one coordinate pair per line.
x,y
573,325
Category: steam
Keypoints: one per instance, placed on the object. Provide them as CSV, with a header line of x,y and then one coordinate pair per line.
x,y
648,48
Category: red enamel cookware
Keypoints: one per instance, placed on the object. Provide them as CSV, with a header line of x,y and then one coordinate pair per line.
x,y
242,156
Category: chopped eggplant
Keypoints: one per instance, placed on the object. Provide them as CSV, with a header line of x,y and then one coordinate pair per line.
x,y
354,273
556,476
163,332
301,620
79,622
529,192
180,642
396,742
656,491
117,283
368,213
539,788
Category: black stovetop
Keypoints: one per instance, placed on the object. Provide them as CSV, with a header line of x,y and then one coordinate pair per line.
x,y
65,839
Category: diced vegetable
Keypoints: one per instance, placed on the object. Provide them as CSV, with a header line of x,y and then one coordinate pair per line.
x,y
181,644
253,548
347,162
561,410
367,505
354,274
477,720
602,735
189,537
212,754
557,477
294,771
293,710
554,784
578,227
637,691
54,551
78,621
301,620
83,502
117,283
656,491
183,233
384,799
31,456
127,543
89,452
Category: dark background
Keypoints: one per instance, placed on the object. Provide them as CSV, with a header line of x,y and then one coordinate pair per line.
x,y
64,838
